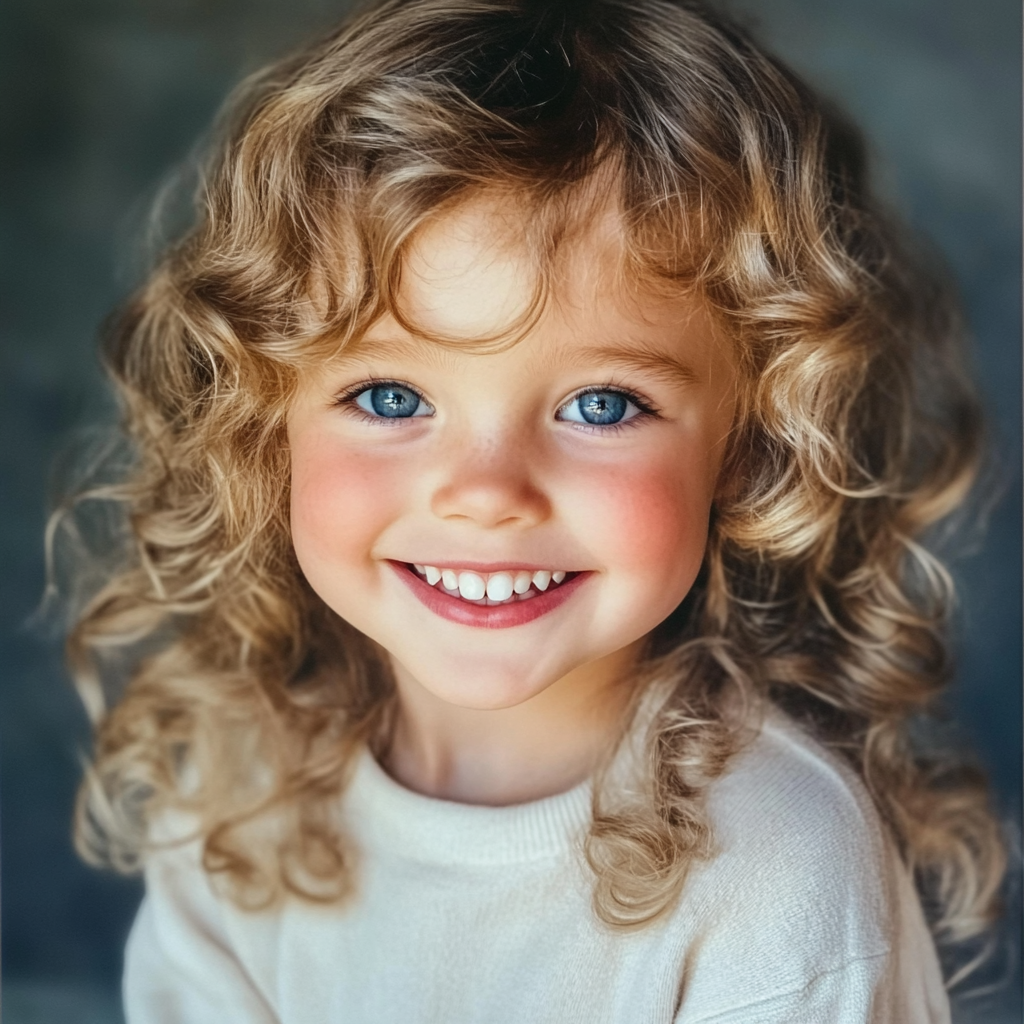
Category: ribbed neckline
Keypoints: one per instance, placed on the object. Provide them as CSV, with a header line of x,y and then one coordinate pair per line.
x,y
386,816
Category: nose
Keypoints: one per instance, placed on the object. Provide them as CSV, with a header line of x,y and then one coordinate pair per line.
x,y
491,484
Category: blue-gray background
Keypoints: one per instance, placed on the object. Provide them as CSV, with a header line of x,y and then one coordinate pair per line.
x,y
101,98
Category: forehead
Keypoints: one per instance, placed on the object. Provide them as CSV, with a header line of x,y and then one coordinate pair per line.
x,y
490,271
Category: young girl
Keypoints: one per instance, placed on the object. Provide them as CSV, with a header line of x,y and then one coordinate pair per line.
x,y
524,607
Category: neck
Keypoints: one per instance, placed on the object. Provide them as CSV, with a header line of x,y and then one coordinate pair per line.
x,y
544,746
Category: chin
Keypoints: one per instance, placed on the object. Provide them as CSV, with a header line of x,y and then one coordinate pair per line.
x,y
485,687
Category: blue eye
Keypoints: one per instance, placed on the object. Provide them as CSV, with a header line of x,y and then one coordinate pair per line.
x,y
392,402
599,408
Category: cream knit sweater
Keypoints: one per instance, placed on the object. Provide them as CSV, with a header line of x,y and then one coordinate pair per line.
x,y
480,915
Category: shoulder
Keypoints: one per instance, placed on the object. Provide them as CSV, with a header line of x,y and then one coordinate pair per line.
x,y
180,895
797,833
188,909
789,802
806,889
184,959
182,889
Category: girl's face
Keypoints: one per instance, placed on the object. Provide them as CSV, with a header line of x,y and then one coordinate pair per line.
x,y
561,488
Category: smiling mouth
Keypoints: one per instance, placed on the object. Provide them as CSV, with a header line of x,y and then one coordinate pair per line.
x,y
492,588
453,594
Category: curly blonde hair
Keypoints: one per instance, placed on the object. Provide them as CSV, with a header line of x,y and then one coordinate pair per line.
x,y
857,433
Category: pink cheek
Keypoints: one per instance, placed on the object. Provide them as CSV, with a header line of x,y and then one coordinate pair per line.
x,y
646,520
341,502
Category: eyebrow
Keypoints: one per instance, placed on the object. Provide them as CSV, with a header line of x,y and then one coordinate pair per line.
x,y
659,365
367,353
652,362
392,346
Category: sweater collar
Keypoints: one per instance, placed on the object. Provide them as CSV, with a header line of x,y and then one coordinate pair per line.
x,y
385,816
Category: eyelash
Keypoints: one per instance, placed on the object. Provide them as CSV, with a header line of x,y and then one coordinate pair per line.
x,y
648,410
347,399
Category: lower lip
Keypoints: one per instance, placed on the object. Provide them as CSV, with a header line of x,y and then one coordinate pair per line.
x,y
494,616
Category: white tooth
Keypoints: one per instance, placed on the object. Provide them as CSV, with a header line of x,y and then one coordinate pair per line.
x,y
557,577
433,574
471,586
499,586
522,582
449,579
419,568
541,579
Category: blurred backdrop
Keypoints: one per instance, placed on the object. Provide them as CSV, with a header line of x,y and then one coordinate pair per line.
x,y
102,98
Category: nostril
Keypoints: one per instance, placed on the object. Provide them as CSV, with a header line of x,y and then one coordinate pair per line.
x,y
495,501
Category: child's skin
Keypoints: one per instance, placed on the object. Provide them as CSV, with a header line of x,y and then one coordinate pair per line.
x,y
497,472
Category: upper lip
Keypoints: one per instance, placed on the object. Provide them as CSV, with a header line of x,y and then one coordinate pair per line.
x,y
490,567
